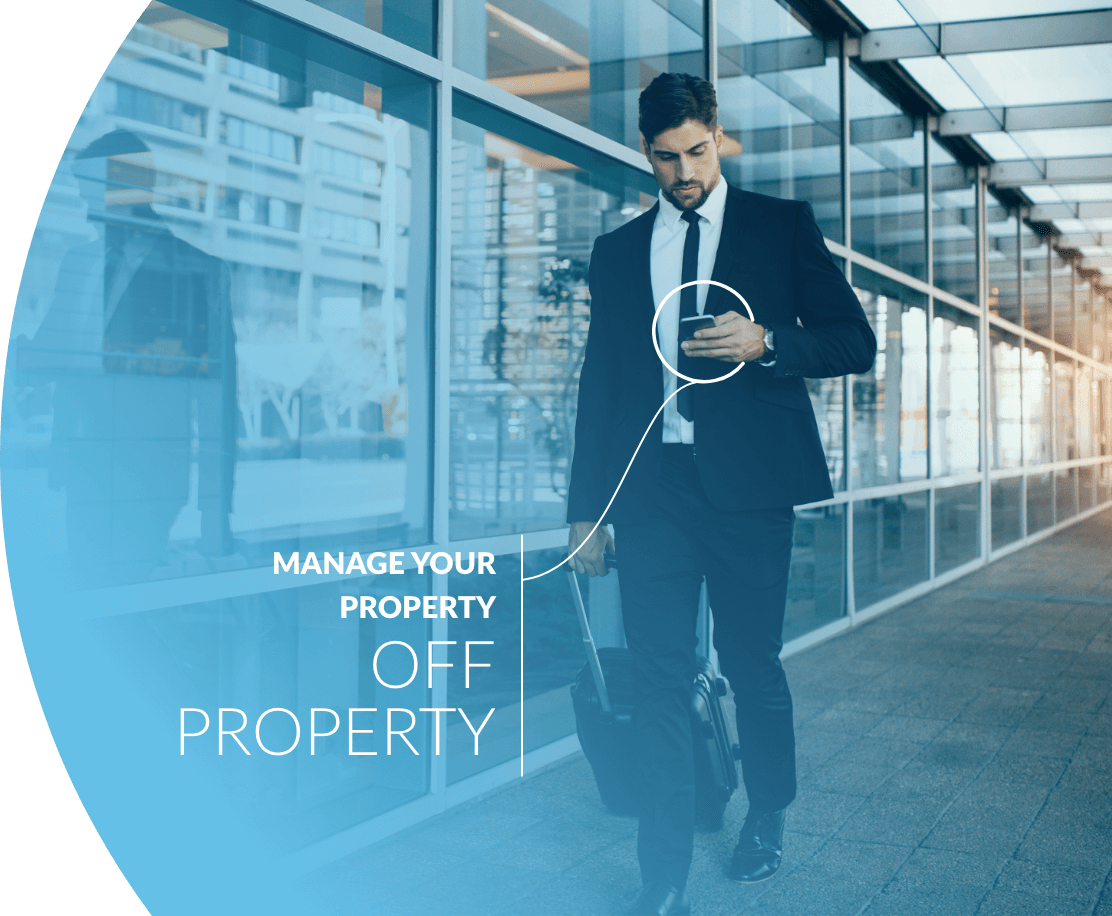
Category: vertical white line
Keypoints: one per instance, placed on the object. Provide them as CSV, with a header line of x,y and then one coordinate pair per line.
x,y
522,673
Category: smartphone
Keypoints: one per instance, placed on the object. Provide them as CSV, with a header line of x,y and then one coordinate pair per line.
x,y
688,326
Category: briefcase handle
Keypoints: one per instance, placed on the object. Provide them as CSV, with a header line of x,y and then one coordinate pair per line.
x,y
588,639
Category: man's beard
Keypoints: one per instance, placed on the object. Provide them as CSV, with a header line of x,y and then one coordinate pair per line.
x,y
697,202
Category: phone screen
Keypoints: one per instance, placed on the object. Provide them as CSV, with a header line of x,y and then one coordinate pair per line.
x,y
688,326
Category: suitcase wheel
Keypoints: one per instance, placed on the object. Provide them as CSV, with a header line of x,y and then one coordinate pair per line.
x,y
736,751
720,683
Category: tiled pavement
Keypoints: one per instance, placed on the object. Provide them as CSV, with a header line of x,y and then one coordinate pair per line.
x,y
955,757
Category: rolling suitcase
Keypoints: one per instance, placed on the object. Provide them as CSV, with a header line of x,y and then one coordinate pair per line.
x,y
602,697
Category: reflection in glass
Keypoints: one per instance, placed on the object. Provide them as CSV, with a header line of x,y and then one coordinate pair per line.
x,y
778,104
1083,302
1086,482
523,225
1003,266
1036,296
955,437
816,587
409,21
1087,396
890,401
886,167
1006,407
1104,483
291,649
1065,493
1065,428
889,546
957,526
1036,404
553,656
586,62
954,216
1040,501
1007,524
1061,278
228,296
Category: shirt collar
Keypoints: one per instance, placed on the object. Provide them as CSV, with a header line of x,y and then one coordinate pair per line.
x,y
711,210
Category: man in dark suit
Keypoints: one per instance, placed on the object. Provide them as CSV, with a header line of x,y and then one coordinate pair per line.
x,y
712,490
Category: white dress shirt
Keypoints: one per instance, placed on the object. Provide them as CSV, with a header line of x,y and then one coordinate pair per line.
x,y
666,269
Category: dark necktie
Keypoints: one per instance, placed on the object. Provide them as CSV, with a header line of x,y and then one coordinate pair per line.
x,y
685,402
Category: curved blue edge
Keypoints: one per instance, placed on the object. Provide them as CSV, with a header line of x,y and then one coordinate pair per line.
x,y
120,414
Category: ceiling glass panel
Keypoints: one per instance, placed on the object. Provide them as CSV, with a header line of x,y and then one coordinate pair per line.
x,y
1078,141
1045,76
939,79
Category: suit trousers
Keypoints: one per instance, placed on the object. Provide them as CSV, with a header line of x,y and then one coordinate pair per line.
x,y
744,557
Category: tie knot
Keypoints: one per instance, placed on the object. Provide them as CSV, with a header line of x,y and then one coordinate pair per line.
x,y
690,216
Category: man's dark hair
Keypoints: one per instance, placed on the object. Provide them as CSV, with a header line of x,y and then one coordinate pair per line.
x,y
673,98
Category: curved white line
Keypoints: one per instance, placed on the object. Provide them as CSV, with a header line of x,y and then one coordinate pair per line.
x,y
616,489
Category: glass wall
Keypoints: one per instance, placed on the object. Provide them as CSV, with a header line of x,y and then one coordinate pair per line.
x,y
1005,400
954,221
586,62
1002,258
1036,293
955,434
778,105
890,401
886,186
957,526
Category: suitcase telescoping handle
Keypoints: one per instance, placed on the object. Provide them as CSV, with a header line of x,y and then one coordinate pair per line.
x,y
589,640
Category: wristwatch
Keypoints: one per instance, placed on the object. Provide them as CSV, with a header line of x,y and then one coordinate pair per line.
x,y
770,348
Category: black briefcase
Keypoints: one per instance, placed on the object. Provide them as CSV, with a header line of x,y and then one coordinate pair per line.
x,y
602,697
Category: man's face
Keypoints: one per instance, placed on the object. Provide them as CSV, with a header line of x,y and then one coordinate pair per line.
x,y
685,162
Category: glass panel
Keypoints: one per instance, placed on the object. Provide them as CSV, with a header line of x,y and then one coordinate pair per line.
x,y
409,21
586,61
1065,493
238,263
1086,406
954,212
817,585
1083,299
781,118
1086,479
1040,502
889,546
1006,405
1001,254
957,526
827,397
890,406
1036,304
553,656
1104,484
1006,521
526,208
290,648
1104,415
886,165
1062,281
1042,76
1100,337
1036,405
1065,429
955,436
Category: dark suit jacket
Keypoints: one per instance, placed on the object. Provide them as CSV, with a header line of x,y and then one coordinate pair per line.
x,y
756,441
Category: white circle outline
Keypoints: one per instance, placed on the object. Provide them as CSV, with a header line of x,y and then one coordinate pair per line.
x,y
656,318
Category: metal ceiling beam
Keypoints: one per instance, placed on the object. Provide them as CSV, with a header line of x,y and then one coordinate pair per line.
x,y
1055,30
1078,169
1025,117
1089,209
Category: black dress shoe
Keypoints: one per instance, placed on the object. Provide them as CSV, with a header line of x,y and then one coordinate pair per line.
x,y
759,847
660,899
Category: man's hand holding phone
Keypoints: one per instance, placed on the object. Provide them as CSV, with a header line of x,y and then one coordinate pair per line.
x,y
733,339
